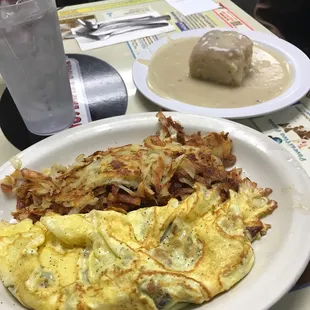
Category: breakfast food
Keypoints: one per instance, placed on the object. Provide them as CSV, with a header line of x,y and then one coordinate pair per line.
x,y
222,56
153,258
168,76
167,165
186,239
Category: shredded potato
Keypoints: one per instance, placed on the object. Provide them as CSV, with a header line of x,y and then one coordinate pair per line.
x,y
16,162
167,165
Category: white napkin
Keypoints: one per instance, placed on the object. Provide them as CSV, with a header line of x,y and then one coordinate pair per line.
x,y
188,7
88,44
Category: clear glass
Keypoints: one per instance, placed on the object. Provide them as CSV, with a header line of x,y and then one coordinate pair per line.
x,y
33,64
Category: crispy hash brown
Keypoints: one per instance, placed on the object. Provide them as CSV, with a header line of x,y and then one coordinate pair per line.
x,y
167,165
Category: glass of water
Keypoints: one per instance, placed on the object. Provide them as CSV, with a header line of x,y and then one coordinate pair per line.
x,y
33,64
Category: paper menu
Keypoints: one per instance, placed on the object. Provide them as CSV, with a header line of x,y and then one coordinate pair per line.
x,y
291,129
188,7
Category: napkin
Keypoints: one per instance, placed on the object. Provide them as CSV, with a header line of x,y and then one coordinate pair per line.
x,y
88,44
188,7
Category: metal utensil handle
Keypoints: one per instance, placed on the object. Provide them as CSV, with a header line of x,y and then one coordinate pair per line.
x,y
116,22
87,35
112,28
127,29
112,22
146,20
109,29
81,22
138,27
115,32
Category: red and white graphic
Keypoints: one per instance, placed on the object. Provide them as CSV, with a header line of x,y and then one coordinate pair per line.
x,y
230,18
82,114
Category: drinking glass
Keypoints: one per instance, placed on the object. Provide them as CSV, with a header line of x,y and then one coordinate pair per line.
x,y
33,64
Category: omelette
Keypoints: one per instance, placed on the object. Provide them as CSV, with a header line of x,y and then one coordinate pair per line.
x,y
167,257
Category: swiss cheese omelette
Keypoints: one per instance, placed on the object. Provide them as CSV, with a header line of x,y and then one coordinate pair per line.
x,y
151,258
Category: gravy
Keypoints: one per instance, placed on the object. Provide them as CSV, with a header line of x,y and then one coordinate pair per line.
x,y
168,77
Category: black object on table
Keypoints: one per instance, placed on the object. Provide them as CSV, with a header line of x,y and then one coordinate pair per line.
x,y
105,91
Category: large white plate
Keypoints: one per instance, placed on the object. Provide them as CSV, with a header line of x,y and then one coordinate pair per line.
x,y
299,62
281,255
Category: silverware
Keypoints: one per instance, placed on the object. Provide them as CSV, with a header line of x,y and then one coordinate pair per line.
x,y
102,30
92,26
108,35
82,34
85,23
132,28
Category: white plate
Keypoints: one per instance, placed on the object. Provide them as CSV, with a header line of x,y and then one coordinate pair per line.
x,y
281,255
299,62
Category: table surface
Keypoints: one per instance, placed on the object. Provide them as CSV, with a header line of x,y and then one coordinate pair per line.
x,y
121,57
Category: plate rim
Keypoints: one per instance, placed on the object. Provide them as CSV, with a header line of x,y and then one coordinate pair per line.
x,y
297,90
105,125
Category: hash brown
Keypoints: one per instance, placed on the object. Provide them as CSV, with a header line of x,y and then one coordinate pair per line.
x,y
167,165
